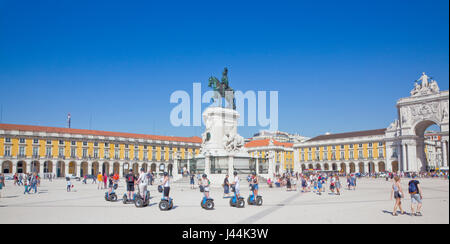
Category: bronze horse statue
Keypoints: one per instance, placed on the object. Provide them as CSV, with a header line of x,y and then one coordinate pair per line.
x,y
223,90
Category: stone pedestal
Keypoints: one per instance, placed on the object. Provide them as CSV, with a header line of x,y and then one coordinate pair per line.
x,y
223,144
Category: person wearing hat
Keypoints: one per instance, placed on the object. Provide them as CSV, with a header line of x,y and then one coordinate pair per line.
x,y
130,179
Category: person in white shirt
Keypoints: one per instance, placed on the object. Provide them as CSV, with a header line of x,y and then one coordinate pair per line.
x,y
236,184
143,182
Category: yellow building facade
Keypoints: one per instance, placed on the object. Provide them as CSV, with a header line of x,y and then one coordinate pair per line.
x,y
62,151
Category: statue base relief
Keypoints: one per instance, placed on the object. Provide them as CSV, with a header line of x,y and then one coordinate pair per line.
x,y
223,150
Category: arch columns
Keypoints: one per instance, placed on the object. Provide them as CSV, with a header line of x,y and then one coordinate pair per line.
x,y
445,152
89,170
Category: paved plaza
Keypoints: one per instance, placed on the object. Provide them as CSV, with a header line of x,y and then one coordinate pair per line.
x,y
370,203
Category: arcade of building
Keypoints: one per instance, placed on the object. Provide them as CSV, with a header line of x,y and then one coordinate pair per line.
x,y
403,146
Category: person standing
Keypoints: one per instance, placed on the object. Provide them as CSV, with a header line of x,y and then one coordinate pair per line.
x,y
192,181
397,193
338,185
100,181
68,184
415,191
226,187
2,183
105,180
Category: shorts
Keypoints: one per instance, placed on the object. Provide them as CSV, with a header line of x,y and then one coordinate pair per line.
x,y
166,191
236,190
332,187
255,187
415,199
130,187
206,189
397,195
143,188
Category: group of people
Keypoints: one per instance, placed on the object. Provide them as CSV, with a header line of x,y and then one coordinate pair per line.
x,y
144,180
415,192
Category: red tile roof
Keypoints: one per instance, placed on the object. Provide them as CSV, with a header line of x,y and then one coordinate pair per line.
x,y
349,134
266,142
31,128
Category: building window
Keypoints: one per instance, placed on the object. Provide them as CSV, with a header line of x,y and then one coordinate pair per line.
x,y
334,147
35,151
7,140
370,153
342,155
7,151
49,152
84,153
49,142
22,140
116,154
85,143
106,154
61,142
127,155
360,154
106,144
342,146
61,152
95,144
380,153
145,147
351,145
136,154
95,153
145,155
126,145
370,144
325,156
351,154
380,144
73,152
360,145
22,151
74,143
116,146
35,141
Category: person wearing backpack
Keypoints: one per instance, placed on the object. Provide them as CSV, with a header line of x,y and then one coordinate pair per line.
x,y
415,191
130,179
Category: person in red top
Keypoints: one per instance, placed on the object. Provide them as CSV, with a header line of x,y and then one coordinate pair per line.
x,y
105,179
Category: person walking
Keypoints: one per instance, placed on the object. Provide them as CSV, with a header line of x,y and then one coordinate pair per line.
x,y
415,191
397,193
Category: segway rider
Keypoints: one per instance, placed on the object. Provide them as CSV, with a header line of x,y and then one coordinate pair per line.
x,y
143,182
255,182
236,184
110,183
131,180
205,183
166,184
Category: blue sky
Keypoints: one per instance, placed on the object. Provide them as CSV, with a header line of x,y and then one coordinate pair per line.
x,y
338,65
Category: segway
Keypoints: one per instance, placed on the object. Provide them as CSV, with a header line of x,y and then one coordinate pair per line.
x,y
252,200
235,202
111,197
139,202
166,203
206,203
